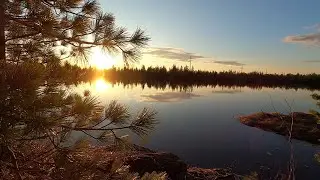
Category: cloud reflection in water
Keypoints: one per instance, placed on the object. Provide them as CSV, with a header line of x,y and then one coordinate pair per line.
x,y
168,97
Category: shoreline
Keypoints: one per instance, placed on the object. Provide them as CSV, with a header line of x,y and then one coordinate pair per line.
x,y
142,160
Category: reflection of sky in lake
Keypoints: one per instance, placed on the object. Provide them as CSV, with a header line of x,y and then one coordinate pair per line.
x,y
201,128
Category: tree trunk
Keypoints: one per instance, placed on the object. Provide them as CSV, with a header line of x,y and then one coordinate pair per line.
x,y
2,43
2,35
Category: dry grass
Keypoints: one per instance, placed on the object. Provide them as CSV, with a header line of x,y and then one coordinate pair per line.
x,y
305,125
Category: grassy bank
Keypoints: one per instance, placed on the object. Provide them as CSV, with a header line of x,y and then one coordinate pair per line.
x,y
304,125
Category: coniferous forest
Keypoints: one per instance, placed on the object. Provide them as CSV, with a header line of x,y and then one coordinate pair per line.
x,y
185,77
160,77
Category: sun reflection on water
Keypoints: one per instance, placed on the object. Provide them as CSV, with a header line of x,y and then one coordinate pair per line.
x,y
101,85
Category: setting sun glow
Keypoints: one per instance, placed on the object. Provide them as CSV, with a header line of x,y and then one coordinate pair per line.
x,y
101,60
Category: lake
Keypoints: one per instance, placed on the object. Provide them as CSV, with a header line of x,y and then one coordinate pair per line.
x,y
199,125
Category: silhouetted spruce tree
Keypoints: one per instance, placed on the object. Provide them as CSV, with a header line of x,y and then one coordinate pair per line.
x,y
38,117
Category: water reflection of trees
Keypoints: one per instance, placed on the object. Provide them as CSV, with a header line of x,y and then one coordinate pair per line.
x,y
184,78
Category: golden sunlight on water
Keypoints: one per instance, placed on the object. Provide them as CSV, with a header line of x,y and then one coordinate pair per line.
x,y
101,85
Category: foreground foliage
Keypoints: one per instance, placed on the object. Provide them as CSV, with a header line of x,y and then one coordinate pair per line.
x,y
39,118
48,31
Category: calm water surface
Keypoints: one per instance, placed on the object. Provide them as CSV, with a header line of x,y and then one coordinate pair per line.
x,y
200,125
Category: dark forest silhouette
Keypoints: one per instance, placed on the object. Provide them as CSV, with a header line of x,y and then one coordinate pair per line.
x,y
183,77
174,77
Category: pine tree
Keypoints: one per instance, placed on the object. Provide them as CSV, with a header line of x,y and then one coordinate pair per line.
x,y
38,117
47,30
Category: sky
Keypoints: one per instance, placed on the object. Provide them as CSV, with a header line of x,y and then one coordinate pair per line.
x,y
274,36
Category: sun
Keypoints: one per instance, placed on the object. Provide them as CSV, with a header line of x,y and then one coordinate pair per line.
x,y
101,60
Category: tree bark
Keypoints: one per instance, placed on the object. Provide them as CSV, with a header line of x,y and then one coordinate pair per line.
x,y
2,43
2,35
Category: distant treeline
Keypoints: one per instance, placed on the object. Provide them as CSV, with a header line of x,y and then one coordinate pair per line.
x,y
174,77
181,77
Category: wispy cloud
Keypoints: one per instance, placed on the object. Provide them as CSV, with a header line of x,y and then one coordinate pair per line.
x,y
307,39
182,55
168,97
173,53
311,39
229,63
314,27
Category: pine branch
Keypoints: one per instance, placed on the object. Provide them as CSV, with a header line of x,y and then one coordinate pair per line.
x,y
22,36
68,11
95,129
15,161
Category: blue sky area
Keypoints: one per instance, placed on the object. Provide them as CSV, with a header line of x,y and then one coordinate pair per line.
x,y
274,35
